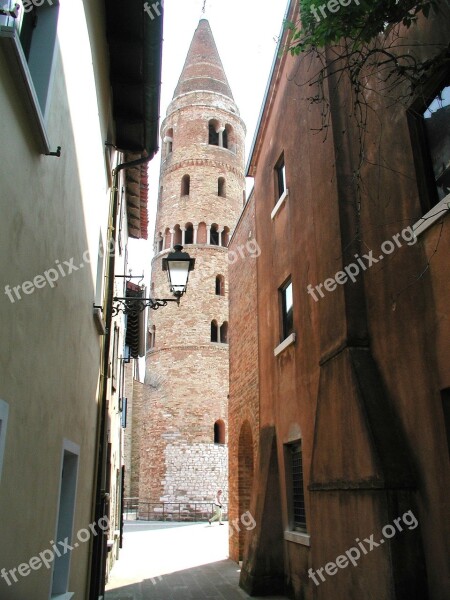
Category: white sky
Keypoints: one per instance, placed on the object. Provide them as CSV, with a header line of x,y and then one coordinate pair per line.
x,y
246,33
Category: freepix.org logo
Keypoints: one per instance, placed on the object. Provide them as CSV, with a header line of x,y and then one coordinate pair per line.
x,y
56,550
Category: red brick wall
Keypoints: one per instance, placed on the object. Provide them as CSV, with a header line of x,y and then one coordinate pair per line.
x,y
243,412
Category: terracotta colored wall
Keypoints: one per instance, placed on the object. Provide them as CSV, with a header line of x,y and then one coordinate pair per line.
x,y
243,413
361,386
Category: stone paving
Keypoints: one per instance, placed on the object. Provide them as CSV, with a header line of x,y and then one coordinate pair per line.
x,y
175,561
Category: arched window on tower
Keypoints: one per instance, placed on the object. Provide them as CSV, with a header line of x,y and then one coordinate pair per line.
x,y
214,331
225,236
213,132
189,234
168,141
219,432
229,138
220,285
214,238
221,187
177,236
224,333
185,185
160,242
225,137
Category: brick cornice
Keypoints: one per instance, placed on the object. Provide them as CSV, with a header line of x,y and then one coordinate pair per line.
x,y
216,346
202,162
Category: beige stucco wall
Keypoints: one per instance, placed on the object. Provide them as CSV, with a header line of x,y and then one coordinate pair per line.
x,y
52,209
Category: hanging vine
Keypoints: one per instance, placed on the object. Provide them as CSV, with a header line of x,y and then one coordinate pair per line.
x,y
369,43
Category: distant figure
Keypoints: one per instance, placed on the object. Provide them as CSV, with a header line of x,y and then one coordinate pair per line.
x,y
217,508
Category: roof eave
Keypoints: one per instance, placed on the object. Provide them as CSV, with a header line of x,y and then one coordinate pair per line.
x,y
135,43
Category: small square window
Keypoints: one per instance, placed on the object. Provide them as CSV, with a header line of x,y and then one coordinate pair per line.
x,y
280,176
287,310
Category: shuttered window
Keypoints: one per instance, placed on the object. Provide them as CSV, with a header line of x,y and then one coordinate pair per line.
x,y
298,496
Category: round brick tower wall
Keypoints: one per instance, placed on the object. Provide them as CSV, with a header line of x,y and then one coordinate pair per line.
x,y
201,196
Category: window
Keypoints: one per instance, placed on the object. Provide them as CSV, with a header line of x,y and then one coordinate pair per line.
x,y
225,137
219,432
220,285
69,473
280,176
37,34
221,189
229,139
437,125
225,236
213,133
214,331
189,234
430,131
31,39
4,409
287,316
224,333
185,185
214,235
177,235
168,140
445,396
294,466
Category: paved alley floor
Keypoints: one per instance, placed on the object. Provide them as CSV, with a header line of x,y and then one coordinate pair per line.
x,y
175,561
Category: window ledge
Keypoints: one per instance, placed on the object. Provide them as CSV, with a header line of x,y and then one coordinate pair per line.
x,y
9,40
433,215
298,538
279,204
284,344
66,596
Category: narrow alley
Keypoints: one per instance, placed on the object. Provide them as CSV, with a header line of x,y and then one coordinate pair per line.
x,y
175,561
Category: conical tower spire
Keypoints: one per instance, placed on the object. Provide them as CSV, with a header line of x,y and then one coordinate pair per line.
x,y
203,69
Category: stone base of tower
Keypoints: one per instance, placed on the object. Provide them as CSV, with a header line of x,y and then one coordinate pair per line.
x,y
194,472
189,476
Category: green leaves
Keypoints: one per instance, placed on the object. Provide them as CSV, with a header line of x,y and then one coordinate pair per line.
x,y
323,23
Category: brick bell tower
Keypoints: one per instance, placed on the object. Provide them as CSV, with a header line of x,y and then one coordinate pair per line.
x,y
184,420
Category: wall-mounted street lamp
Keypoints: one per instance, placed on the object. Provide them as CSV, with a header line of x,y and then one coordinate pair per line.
x,y
178,265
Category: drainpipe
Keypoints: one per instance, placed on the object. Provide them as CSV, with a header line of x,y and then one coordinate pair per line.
x,y
99,547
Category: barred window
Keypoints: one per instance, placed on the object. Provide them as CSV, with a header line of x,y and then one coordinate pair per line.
x,y
298,495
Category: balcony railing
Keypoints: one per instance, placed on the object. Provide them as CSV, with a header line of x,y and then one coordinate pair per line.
x,y
180,512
